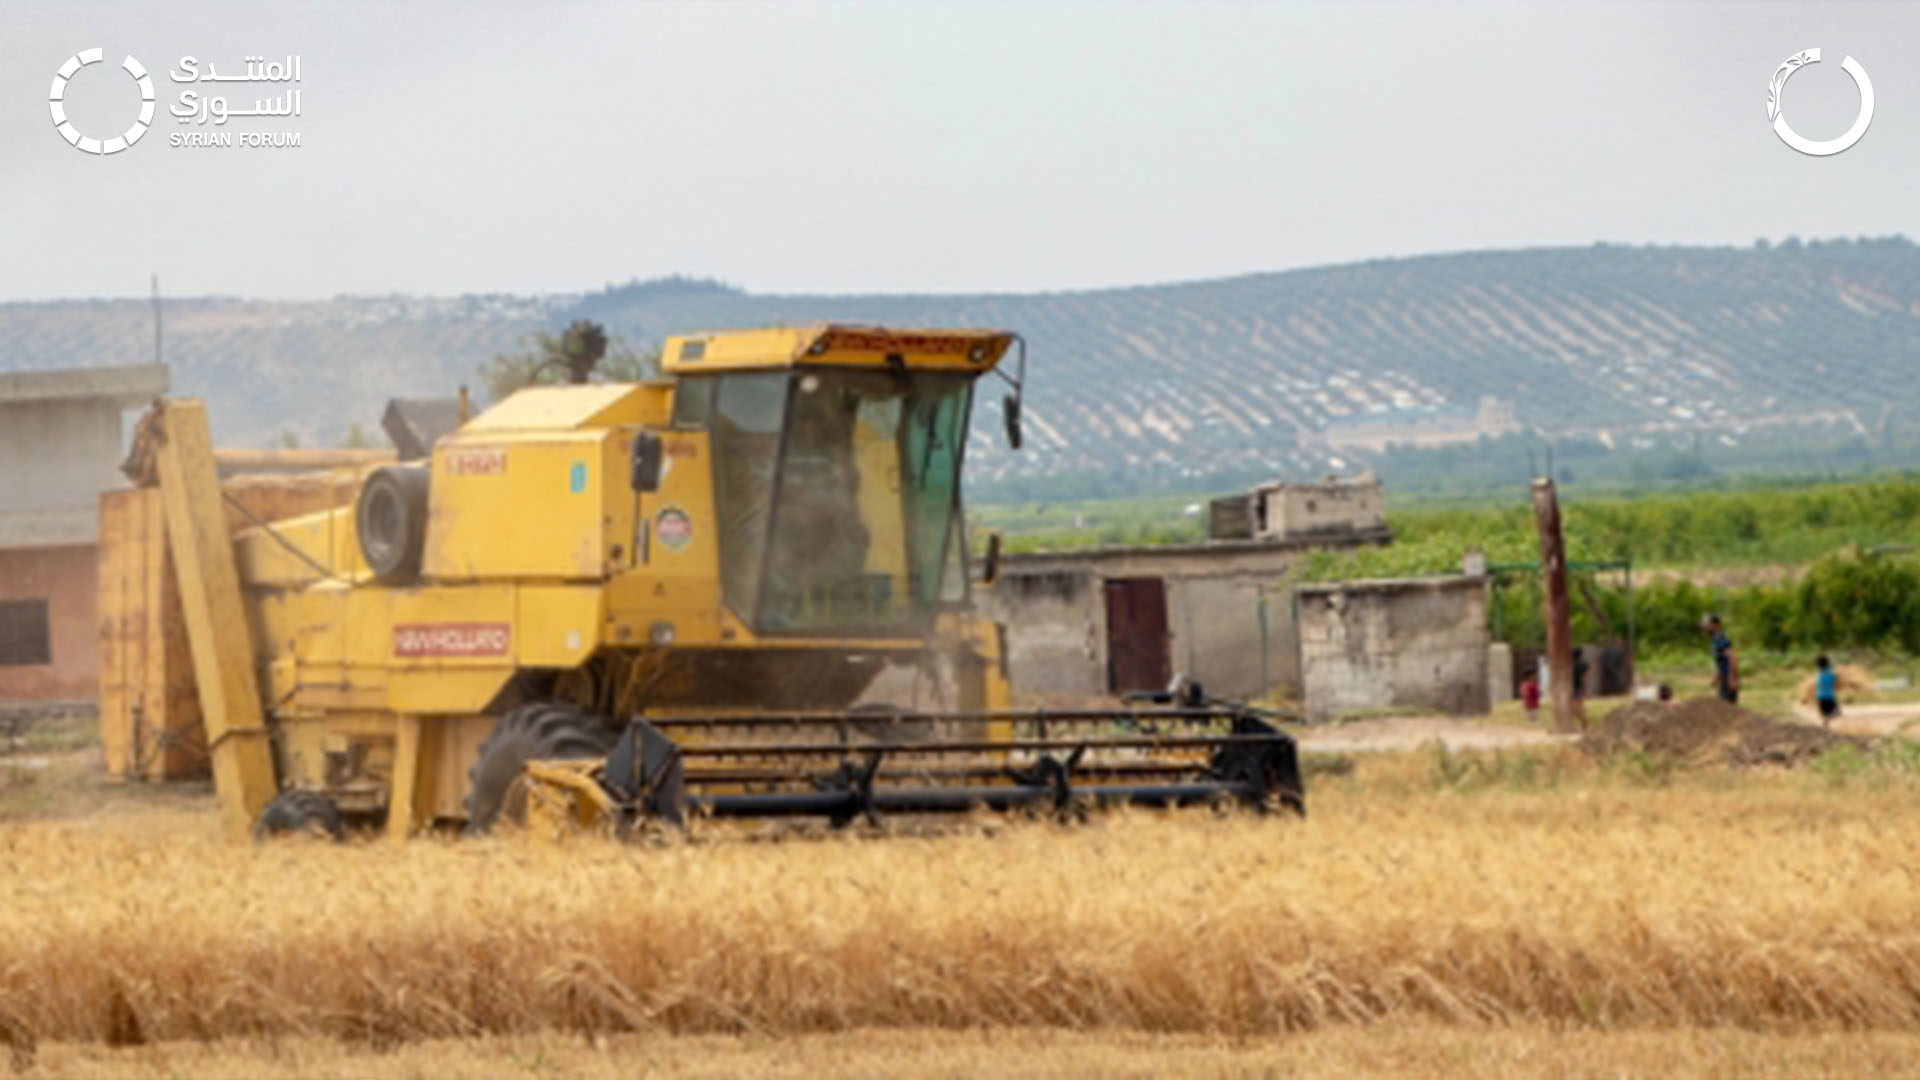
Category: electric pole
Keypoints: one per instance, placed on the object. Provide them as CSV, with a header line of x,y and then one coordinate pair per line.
x,y
1553,572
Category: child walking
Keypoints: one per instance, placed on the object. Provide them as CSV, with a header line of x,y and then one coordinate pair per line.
x,y
1530,696
1825,692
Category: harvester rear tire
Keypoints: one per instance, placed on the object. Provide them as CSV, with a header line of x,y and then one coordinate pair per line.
x,y
307,812
532,732
390,521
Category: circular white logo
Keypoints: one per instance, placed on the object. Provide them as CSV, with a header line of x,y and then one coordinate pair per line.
x,y
1808,146
57,96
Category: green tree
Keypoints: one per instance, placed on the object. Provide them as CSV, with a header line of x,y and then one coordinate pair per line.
x,y
583,352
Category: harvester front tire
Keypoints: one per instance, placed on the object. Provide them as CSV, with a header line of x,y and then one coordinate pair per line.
x,y
533,732
390,521
297,812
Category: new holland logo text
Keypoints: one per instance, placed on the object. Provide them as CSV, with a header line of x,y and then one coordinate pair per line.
x,y
451,639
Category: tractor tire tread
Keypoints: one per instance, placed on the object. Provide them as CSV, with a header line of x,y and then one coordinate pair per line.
x,y
541,729
299,810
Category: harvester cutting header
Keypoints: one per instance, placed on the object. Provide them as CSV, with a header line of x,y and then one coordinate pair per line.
x,y
615,602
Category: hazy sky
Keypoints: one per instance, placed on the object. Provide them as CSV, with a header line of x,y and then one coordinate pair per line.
x,y
900,147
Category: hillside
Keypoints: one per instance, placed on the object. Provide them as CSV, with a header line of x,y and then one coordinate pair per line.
x,y
1195,379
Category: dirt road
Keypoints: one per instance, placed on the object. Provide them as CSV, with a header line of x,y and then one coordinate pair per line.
x,y
1866,719
1413,732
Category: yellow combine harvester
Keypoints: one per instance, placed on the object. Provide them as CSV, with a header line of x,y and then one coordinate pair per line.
x,y
620,602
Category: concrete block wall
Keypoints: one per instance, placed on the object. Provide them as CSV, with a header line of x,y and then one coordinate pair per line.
x,y
1056,627
1398,644
1296,511
60,454
1217,638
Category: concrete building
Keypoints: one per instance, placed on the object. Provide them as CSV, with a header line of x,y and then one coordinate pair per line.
x,y
1491,418
1091,623
60,447
1405,643
1337,509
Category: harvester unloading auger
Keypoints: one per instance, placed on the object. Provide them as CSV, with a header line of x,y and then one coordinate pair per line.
x,y
624,602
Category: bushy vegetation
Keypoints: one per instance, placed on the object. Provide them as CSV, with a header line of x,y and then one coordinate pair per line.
x,y
1842,601
1758,524
1858,588
1832,558
1752,526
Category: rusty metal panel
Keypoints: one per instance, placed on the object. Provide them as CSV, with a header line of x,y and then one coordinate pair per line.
x,y
1137,655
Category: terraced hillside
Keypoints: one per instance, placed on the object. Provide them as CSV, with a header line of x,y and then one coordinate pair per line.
x,y
1198,378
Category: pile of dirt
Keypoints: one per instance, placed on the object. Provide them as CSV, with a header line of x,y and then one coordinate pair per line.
x,y
1707,731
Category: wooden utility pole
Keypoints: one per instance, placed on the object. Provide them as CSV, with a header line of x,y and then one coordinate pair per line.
x,y
1553,572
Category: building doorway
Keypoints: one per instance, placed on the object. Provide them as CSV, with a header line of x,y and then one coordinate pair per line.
x,y
1137,656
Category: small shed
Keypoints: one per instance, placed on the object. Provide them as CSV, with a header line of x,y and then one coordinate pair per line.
x,y
1114,620
1334,509
1396,643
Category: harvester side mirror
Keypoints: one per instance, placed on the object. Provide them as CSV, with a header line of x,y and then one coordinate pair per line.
x,y
1010,409
646,462
990,564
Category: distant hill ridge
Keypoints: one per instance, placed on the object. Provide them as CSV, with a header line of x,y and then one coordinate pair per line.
x,y
1187,379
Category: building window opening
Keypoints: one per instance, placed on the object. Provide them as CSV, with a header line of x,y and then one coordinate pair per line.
x,y
24,636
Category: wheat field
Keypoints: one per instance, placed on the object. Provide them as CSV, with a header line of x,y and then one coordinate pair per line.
x,y
1427,1051
1759,901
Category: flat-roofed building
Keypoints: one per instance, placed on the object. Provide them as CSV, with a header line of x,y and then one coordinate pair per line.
x,y
60,447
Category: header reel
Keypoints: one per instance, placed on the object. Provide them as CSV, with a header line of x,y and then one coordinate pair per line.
x,y
867,766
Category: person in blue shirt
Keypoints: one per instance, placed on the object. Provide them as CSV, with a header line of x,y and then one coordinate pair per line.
x,y
1726,666
1825,692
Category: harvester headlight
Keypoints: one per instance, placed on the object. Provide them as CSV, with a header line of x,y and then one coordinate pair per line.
x,y
977,354
660,633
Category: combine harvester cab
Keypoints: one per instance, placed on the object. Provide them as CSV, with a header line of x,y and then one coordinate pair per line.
x,y
607,603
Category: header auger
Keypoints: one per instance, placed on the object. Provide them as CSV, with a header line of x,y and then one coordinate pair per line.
x,y
652,601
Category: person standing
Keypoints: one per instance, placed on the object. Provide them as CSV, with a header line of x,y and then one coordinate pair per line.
x,y
1726,666
1826,692
1530,696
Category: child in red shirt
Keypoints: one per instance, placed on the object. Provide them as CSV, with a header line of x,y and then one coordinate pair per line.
x,y
1530,697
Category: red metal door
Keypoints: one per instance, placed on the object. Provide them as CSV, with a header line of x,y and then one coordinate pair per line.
x,y
1137,635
